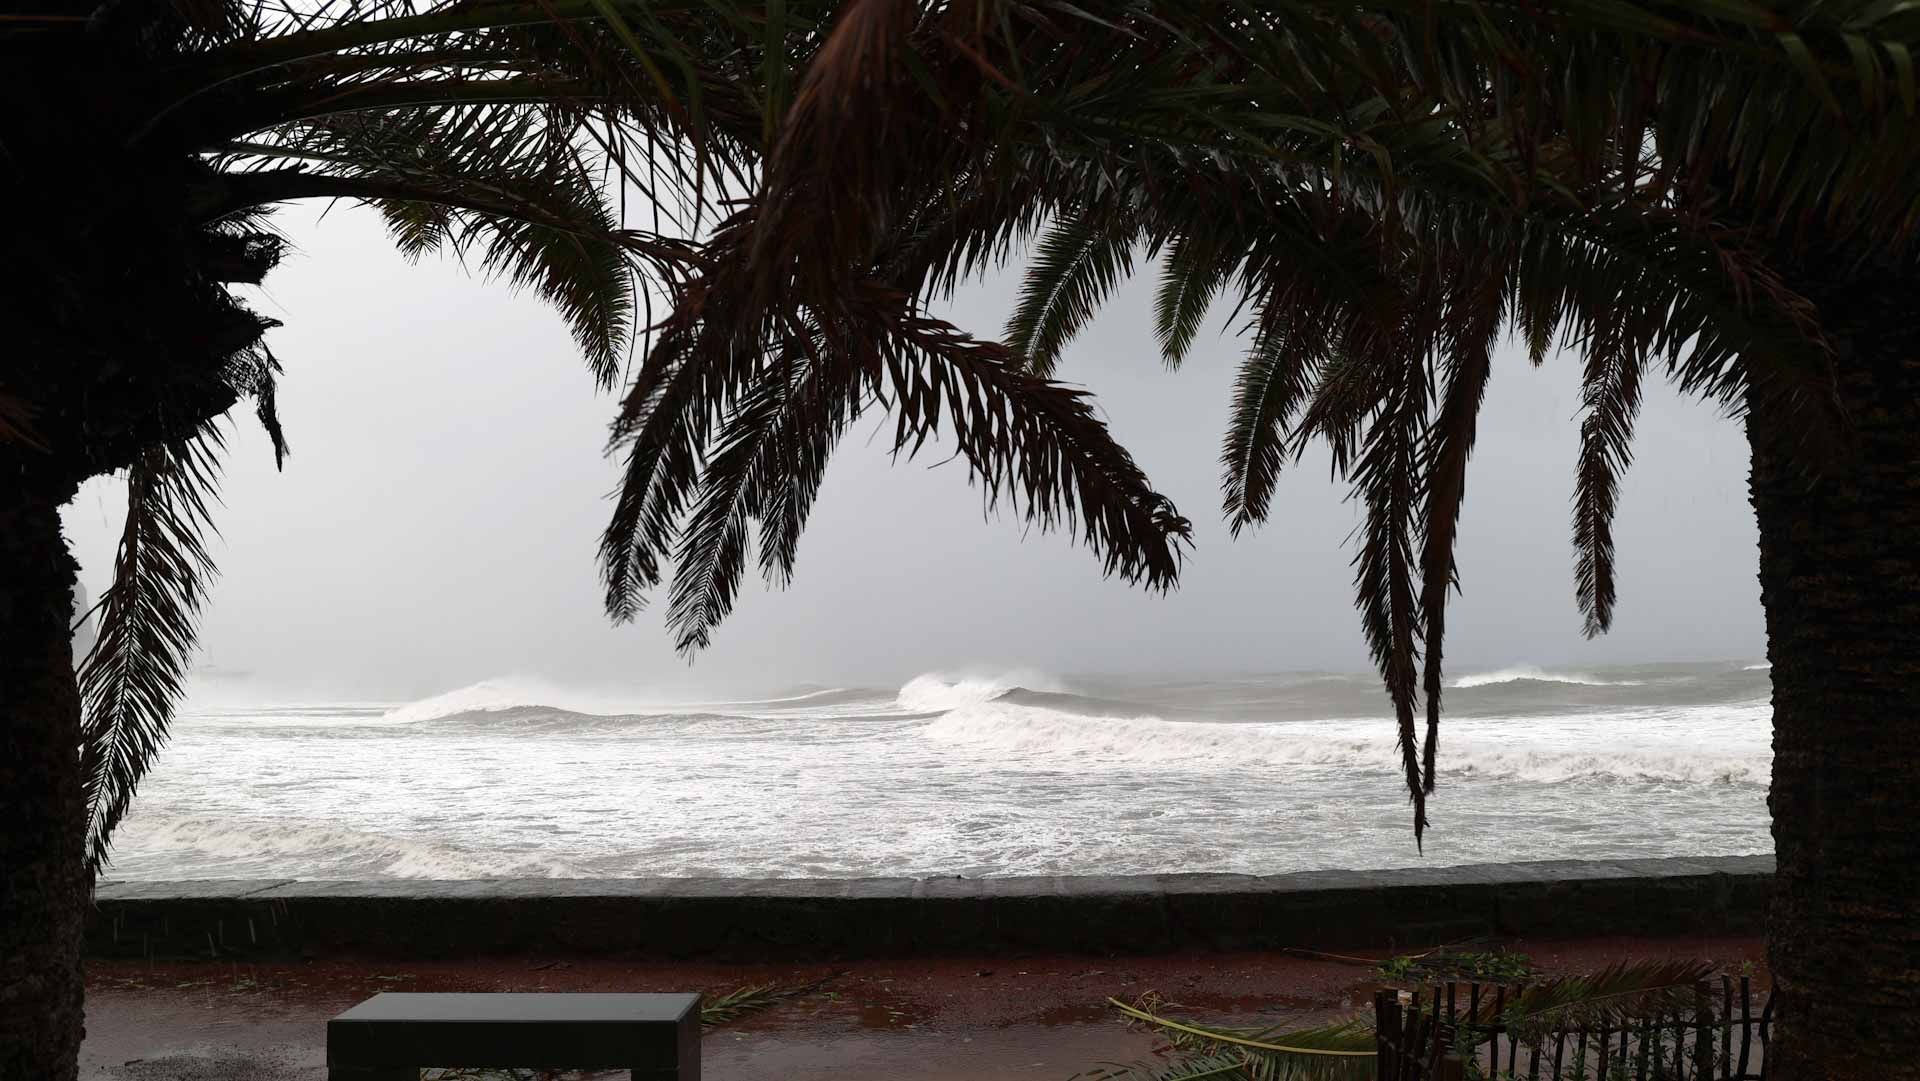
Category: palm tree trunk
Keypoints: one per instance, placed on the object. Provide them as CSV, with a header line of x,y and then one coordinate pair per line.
x,y
43,885
1840,580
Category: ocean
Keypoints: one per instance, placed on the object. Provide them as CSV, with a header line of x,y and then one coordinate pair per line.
x,y
973,774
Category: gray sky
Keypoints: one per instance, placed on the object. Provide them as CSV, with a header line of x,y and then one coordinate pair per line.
x,y
437,520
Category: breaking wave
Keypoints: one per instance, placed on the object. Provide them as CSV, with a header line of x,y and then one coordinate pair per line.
x,y
536,702
935,692
513,692
1528,673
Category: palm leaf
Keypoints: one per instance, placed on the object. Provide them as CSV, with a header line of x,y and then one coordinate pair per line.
x,y
1341,1050
539,221
1075,267
131,681
798,453
1622,992
752,473
1274,381
1182,1067
1193,274
1386,481
707,449
255,374
1611,397
724,1009
1468,347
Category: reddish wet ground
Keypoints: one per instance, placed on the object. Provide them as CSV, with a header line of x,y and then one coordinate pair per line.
x,y
943,1019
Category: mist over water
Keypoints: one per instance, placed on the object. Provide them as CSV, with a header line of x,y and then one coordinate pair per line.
x,y
1013,773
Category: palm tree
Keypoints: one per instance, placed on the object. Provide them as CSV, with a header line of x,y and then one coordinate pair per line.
x,y
1725,190
142,146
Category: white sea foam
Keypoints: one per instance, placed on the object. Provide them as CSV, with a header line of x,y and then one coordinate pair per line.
x,y
951,774
218,847
1763,666
1572,748
1528,672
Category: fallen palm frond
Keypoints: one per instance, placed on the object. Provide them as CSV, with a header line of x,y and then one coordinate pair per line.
x,y
1337,958
1616,995
733,1005
1651,996
1186,1068
1495,966
1339,1051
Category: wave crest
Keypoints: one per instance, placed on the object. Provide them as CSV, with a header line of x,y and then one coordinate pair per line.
x,y
512,692
1528,673
937,692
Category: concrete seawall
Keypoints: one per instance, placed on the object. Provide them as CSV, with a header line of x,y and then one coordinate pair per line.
x,y
811,919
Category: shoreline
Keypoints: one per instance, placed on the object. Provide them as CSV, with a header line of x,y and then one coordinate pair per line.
x,y
807,919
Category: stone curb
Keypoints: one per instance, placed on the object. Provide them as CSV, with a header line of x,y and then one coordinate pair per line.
x,y
797,919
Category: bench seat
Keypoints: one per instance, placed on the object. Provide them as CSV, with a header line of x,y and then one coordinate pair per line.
x,y
394,1036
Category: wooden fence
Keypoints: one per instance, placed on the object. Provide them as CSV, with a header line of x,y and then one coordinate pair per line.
x,y
1455,1031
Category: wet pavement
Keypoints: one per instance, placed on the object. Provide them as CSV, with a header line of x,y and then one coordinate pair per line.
x,y
943,1019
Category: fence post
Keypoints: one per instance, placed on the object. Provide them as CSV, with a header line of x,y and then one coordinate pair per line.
x,y
1452,1068
1386,1029
1746,1023
1703,1023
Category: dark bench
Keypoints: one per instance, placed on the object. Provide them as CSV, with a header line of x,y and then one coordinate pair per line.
x,y
392,1037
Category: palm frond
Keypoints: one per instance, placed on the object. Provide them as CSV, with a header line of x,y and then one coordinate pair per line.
x,y
758,468
132,679
1036,443
1279,371
1341,1051
703,429
801,446
1610,395
725,1009
1075,267
1193,274
538,219
1468,343
1179,1067
581,272
1386,481
255,374
664,425
1623,991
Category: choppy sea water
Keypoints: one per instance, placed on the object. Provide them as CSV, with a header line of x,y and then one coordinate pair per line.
x,y
960,775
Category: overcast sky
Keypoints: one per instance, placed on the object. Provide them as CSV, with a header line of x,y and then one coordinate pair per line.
x,y
437,521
